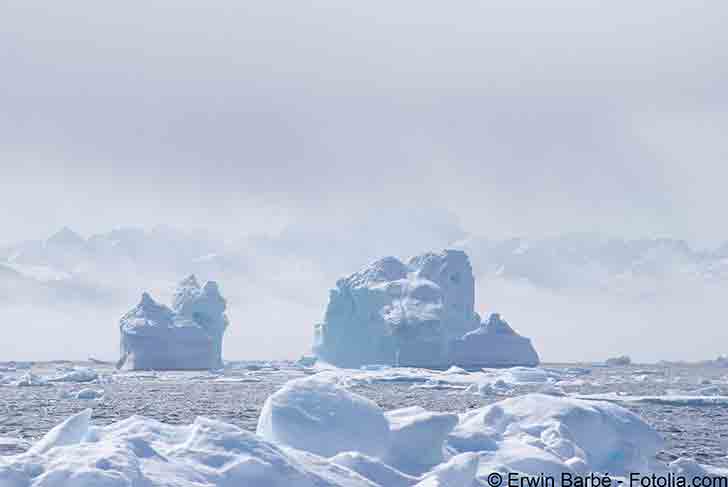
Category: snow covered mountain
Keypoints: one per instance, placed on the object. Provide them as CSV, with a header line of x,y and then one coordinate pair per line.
x,y
66,253
567,262
595,263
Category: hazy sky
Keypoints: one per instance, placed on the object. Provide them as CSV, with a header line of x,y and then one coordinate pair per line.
x,y
353,129
514,117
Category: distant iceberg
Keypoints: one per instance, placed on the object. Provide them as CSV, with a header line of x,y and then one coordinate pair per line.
x,y
415,314
187,336
494,343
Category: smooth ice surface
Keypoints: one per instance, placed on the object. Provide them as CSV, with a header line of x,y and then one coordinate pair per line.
x,y
187,336
316,415
418,314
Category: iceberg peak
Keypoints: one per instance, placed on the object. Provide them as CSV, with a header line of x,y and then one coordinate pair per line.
x,y
420,313
187,336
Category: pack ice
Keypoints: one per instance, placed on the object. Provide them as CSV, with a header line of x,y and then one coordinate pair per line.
x,y
313,432
416,314
187,336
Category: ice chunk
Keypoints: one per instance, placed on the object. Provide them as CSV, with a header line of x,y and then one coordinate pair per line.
x,y
143,452
187,336
417,438
553,430
526,375
29,379
415,314
71,432
78,374
315,415
494,343
89,394
533,434
459,471
374,469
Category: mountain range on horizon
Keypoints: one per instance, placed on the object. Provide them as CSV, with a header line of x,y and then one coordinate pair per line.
x,y
569,286
564,262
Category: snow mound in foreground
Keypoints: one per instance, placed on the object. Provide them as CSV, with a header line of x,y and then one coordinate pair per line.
x,y
144,452
314,433
545,433
418,437
316,415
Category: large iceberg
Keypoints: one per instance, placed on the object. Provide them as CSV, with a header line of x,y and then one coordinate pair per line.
x,y
416,314
187,336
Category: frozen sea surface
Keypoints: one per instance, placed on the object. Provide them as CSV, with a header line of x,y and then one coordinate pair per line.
x,y
687,404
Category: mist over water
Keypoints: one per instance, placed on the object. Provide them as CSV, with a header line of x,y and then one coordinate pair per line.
x,y
579,299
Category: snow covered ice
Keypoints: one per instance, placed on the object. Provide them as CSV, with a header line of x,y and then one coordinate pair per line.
x,y
417,426
313,432
416,314
89,394
544,433
316,415
77,374
187,336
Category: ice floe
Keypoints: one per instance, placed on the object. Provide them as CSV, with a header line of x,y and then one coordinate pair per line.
x,y
667,399
534,432
316,415
314,432
78,374
89,394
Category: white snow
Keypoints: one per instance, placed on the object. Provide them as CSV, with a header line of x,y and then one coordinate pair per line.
x,y
313,432
417,438
316,415
459,471
144,452
536,433
374,469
